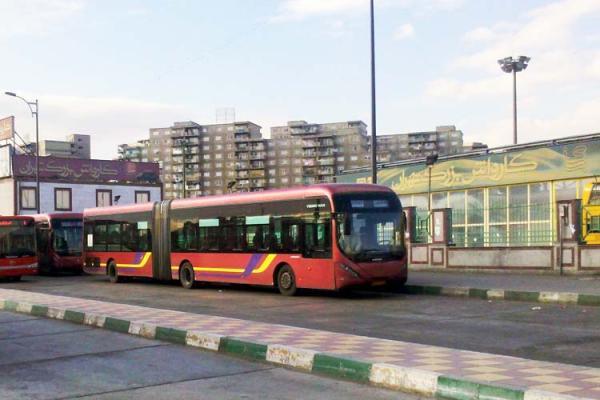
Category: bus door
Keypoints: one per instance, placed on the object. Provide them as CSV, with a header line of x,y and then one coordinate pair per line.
x,y
161,241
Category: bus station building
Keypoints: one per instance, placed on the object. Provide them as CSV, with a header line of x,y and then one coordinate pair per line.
x,y
507,208
70,184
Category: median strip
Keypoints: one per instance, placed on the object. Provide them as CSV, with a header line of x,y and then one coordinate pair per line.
x,y
397,377
504,294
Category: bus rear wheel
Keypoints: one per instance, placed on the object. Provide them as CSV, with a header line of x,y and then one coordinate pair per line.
x,y
186,275
113,275
286,281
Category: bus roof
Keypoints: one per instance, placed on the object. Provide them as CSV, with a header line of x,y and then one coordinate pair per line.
x,y
15,217
131,208
53,216
292,193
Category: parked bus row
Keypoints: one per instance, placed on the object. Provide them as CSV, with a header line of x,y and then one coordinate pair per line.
x,y
48,243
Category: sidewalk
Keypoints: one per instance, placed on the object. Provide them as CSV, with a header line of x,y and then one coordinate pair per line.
x,y
427,370
583,290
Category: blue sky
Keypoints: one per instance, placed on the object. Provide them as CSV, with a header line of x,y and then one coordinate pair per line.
x,y
113,69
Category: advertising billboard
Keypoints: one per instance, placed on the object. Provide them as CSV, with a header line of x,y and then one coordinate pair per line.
x,y
559,161
81,170
7,128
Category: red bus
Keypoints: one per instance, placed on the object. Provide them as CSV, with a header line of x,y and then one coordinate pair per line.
x,y
59,242
17,247
323,237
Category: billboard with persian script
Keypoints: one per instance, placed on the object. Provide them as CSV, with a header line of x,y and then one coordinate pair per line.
x,y
555,162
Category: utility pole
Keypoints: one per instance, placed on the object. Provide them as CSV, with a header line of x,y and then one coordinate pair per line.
x,y
373,101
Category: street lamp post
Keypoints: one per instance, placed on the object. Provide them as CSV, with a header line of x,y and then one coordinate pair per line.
x,y
373,103
34,113
514,65
430,161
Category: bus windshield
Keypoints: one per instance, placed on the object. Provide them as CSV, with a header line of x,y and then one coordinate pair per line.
x,y
369,227
67,239
17,239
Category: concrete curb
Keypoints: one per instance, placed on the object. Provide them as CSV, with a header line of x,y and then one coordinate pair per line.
x,y
504,294
410,380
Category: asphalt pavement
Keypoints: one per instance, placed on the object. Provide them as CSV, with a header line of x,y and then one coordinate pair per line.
x,y
48,359
546,332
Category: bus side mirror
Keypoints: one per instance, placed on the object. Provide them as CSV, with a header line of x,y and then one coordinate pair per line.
x,y
404,221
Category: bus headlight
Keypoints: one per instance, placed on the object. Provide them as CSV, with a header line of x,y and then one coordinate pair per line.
x,y
349,270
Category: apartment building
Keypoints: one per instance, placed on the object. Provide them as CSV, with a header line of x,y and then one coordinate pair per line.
x,y
308,153
75,146
218,158
445,140
209,159
137,151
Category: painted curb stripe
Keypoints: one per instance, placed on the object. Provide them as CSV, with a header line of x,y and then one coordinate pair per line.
x,y
117,325
521,296
170,335
353,370
291,357
242,348
39,311
501,294
74,316
588,300
459,389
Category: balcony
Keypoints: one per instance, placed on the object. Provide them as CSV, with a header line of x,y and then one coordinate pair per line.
x,y
257,174
326,161
325,171
256,165
309,163
241,165
257,155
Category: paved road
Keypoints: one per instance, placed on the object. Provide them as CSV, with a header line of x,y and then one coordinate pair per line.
x,y
512,281
567,334
47,359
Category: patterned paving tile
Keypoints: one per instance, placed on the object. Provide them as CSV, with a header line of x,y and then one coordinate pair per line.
x,y
500,370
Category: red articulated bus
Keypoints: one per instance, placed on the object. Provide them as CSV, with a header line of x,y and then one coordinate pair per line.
x,y
328,236
59,242
17,247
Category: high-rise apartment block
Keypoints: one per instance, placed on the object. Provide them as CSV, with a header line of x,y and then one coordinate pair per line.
x,y
305,153
217,158
445,140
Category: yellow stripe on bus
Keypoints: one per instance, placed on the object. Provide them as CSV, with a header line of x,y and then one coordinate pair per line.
x,y
262,268
265,264
141,264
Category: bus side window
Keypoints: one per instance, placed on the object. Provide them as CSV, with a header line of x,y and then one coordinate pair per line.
x,y
290,235
317,239
99,236
113,236
129,237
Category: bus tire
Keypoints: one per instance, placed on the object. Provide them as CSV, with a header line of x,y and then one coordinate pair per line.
x,y
286,281
113,275
186,275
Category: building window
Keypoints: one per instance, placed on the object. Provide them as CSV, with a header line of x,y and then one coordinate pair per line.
x,y
142,196
103,198
63,199
28,198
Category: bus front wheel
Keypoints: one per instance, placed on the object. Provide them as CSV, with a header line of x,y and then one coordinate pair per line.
x,y
186,275
286,281
113,275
